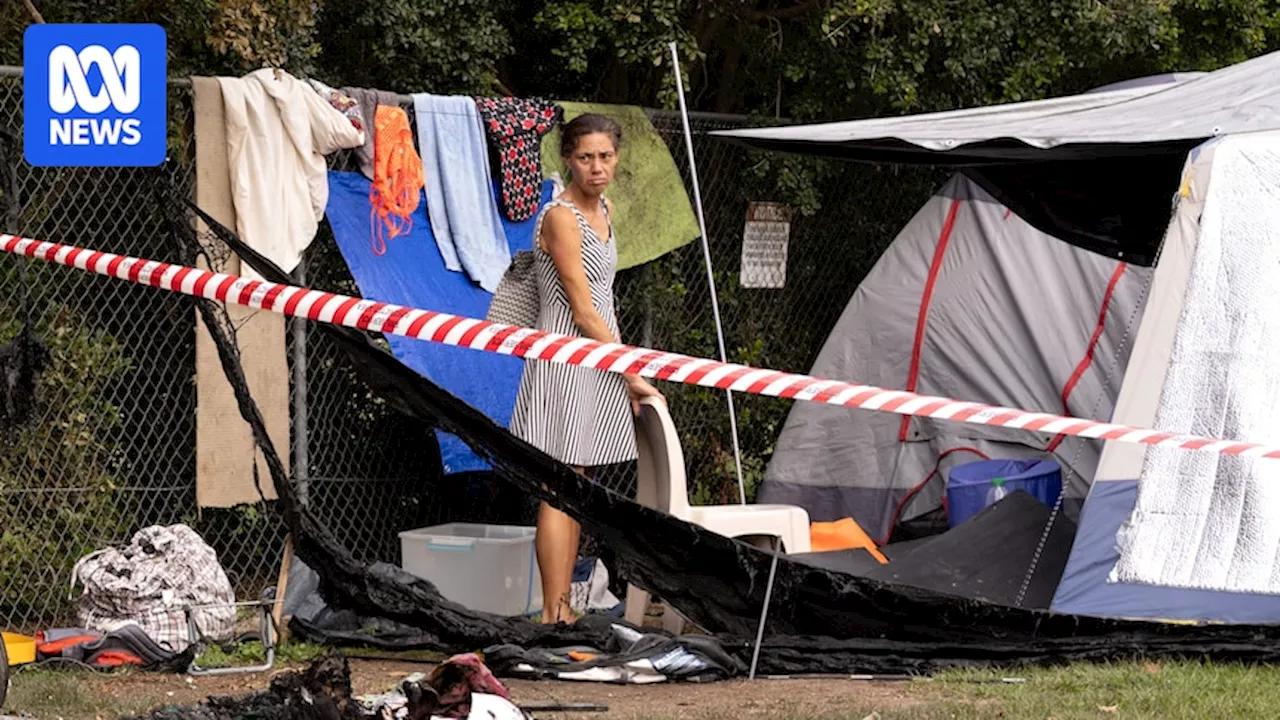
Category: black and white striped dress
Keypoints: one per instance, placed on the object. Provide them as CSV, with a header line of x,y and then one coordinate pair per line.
x,y
580,416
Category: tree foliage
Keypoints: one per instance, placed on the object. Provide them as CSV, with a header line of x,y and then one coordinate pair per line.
x,y
804,59
440,46
208,37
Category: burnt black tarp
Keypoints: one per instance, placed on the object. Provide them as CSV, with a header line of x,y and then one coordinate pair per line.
x,y
819,620
1117,206
988,556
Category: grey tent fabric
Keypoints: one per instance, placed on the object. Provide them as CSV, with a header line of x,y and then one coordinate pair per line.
x,y
1012,316
1240,98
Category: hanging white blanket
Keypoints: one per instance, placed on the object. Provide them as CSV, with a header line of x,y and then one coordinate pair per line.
x,y
278,132
1210,521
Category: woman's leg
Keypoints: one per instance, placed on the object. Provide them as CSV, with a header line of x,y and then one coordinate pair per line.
x,y
556,544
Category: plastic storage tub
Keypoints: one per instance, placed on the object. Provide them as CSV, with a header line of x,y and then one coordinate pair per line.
x,y
967,484
483,567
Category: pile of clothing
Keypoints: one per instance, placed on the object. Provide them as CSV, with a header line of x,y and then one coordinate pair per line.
x,y
279,130
632,657
460,688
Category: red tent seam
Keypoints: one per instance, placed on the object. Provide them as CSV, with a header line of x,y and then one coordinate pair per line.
x,y
1083,366
922,318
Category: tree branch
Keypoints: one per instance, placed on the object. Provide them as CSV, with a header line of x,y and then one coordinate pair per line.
x,y
35,14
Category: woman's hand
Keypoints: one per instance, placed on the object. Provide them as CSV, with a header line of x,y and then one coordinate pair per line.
x,y
639,388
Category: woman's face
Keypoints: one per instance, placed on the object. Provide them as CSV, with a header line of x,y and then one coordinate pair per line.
x,y
592,163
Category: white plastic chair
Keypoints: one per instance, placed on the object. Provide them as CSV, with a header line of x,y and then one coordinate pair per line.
x,y
661,484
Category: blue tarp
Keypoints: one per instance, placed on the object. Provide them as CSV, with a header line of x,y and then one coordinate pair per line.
x,y
412,273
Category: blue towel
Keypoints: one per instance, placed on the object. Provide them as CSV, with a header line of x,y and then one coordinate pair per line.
x,y
413,273
461,200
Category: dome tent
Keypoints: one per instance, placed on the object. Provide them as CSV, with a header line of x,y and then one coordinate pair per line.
x,y
999,291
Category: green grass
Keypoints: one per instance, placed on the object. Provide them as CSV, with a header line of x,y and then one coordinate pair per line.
x,y
253,653
301,653
62,694
1123,690
1129,690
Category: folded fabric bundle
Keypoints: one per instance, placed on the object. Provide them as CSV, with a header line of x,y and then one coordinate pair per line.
x,y
652,211
348,106
126,644
461,203
630,657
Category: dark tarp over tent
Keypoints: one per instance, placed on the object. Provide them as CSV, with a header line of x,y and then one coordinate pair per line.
x,y
1097,170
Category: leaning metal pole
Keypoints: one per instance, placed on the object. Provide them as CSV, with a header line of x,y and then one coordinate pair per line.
x,y
706,254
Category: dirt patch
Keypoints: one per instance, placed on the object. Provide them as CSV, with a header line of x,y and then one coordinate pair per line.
x,y
728,699
137,691
112,695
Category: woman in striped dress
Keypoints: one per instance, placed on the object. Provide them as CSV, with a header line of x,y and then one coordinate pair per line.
x,y
580,416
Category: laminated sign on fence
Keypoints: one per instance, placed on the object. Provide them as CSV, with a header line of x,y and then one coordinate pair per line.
x,y
764,245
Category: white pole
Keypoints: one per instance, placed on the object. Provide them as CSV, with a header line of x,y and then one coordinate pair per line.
x,y
706,254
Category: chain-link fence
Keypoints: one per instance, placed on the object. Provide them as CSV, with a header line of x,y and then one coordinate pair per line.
x,y
112,447
850,215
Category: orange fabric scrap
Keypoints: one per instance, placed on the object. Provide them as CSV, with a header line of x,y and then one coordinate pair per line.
x,y
843,534
398,177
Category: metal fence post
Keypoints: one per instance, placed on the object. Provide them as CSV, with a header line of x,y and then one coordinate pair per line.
x,y
301,437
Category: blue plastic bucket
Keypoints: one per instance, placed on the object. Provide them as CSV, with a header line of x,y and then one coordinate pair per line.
x,y
967,484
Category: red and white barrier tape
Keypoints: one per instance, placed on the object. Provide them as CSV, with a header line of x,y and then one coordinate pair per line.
x,y
610,357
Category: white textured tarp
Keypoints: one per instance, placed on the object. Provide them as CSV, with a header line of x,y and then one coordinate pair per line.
x,y
1236,99
1213,521
1011,318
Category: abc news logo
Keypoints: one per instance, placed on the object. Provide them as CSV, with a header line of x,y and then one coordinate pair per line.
x,y
95,95
121,90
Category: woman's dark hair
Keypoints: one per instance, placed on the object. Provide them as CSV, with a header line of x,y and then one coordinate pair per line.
x,y
575,129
